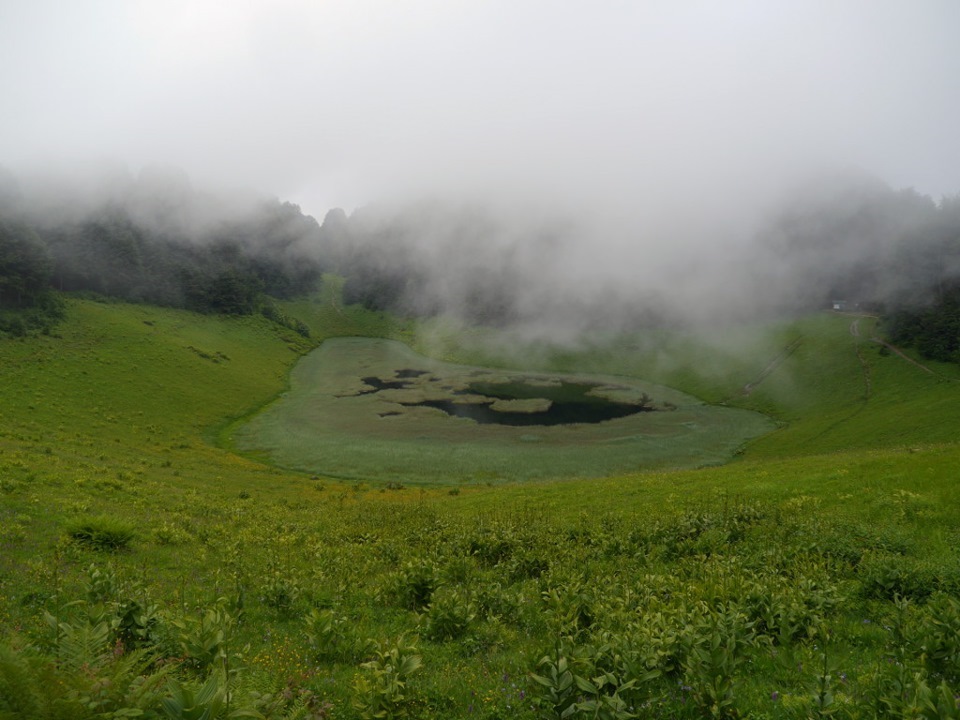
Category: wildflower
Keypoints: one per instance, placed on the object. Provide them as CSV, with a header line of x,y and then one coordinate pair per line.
x,y
774,696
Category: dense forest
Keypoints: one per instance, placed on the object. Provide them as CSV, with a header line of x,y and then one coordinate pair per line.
x,y
851,242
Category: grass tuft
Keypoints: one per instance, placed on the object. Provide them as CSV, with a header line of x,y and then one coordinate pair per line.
x,y
102,533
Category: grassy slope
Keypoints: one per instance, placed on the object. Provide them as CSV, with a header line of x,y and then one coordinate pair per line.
x,y
117,416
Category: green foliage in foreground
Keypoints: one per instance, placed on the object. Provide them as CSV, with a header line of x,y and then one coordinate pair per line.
x,y
824,584
360,604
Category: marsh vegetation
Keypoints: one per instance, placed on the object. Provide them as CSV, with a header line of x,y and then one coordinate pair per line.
x,y
372,409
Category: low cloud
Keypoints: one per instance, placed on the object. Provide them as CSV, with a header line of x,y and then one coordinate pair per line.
x,y
625,154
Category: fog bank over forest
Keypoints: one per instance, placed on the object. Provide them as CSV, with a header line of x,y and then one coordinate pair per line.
x,y
545,272
553,168
843,236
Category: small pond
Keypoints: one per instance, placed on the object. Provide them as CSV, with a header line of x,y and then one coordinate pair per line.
x,y
370,409
560,402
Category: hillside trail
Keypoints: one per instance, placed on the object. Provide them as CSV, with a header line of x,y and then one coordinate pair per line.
x,y
771,366
855,332
864,365
790,348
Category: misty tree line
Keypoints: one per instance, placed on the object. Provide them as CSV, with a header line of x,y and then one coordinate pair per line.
x,y
892,253
155,240
427,260
26,301
225,271
221,265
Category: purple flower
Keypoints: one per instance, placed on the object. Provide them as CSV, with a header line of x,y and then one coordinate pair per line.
x,y
774,696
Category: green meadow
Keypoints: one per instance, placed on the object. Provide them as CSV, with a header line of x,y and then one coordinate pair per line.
x,y
154,562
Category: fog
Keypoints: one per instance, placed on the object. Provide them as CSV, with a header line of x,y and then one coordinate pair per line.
x,y
649,142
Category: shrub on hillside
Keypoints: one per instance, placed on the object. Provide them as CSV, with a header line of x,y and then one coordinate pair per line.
x,y
101,533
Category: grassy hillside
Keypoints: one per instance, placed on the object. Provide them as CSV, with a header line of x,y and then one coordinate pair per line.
x,y
142,565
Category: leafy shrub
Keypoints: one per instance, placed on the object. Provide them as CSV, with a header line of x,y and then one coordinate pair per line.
x,y
211,700
168,534
938,637
331,637
527,564
458,569
653,646
138,626
274,314
449,616
901,687
491,546
583,682
381,691
570,607
849,542
101,533
703,532
494,601
205,639
787,611
101,584
717,642
557,684
414,584
281,592
885,577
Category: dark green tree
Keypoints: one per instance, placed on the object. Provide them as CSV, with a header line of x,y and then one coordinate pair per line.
x,y
25,266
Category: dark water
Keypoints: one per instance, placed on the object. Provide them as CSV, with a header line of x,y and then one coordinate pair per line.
x,y
571,403
377,385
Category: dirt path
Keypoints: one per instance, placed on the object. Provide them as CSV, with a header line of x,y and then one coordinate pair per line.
x,y
855,332
864,365
771,366
899,352
747,389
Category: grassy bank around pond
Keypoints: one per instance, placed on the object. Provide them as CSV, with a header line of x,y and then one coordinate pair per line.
x,y
145,568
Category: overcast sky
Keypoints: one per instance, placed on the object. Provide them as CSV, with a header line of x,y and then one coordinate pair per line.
x,y
625,106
